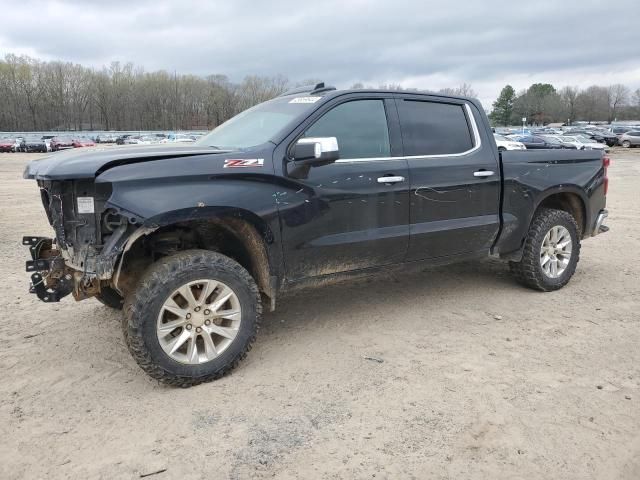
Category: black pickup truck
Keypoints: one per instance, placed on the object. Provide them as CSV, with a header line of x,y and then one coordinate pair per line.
x,y
314,185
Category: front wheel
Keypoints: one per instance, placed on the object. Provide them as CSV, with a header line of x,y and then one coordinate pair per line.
x,y
192,317
551,251
626,144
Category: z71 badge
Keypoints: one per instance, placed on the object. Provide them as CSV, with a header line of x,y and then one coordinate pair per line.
x,y
243,162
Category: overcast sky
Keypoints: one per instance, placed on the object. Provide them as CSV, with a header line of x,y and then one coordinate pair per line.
x,y
418,43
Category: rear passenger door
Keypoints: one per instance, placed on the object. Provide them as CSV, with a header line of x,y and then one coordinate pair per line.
x,y
455,177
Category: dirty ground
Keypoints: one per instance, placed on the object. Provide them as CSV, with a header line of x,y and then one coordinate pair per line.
x,y
454,372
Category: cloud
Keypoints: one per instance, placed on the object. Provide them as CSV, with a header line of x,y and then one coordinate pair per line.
x,y
417,43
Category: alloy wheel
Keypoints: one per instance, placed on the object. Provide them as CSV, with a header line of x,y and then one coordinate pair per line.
x,y
555,252
198,321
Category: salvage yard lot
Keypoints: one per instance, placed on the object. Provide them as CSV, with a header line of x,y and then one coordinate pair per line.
x,y
454,372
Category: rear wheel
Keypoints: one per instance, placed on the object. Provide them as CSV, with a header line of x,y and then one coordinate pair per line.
x,y
551,251
192,318
626,144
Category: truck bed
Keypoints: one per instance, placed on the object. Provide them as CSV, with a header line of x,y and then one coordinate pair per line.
x,y
530,177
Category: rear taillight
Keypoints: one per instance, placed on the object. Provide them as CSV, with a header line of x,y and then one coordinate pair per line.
x,y
606,161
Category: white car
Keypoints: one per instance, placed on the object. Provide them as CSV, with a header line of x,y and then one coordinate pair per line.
x,y
505,143
138,141
179,138
583,143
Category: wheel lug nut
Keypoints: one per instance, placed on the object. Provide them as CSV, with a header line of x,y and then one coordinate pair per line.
x,y
188,315
197,309
198,330
189,326
207,312
207,322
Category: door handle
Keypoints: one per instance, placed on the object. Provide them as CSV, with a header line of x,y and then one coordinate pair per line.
x,y
483,173
390,179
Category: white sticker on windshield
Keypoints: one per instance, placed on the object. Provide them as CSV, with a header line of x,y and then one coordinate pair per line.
x,y
305,100
85,205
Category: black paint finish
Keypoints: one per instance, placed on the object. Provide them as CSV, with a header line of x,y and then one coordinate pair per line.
x,y
340,217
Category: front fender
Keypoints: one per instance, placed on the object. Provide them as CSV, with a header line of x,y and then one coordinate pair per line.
x,y
158,203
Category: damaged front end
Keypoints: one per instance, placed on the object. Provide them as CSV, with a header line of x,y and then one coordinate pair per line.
x,y
90,235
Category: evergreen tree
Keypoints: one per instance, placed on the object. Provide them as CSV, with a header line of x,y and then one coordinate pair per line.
x,y
503,107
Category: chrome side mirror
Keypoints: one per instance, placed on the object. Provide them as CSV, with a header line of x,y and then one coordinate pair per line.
x,y
316,150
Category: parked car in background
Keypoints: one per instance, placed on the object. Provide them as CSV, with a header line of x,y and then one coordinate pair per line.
x,y
121,139
558,141
106,138
33,144
505,143
47,141
548,131
9,145
83,142
537,142
140,140
630,139
584,143
598,135
61,143
620,130
178,138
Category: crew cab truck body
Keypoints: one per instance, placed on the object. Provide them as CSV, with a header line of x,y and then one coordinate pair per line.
x,y
318,183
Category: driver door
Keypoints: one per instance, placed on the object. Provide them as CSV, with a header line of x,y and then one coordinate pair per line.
x,y
354,213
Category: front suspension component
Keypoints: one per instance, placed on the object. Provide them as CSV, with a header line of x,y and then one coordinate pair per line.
x,y
49,281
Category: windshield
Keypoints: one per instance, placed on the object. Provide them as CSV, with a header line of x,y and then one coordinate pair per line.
x,y
500,138
258,124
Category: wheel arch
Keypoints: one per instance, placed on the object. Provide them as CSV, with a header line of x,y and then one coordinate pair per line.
x,y
237,233
567,198
571,201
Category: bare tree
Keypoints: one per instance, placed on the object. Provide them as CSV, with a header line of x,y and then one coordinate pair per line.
x,y
593,103
568,97
617,96
65,96
465,90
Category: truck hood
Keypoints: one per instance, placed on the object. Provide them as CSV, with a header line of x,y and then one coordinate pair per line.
x,y
85,163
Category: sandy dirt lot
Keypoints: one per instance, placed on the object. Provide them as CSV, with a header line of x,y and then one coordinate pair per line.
x,y
480,378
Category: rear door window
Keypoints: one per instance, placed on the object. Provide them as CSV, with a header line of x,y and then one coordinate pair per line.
x,y
433,128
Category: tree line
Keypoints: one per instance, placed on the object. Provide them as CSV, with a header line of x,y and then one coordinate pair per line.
x,y
38,95
542,103
55,95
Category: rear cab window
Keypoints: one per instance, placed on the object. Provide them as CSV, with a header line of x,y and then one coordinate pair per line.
x,y
434,128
